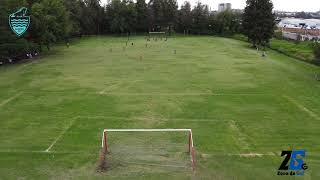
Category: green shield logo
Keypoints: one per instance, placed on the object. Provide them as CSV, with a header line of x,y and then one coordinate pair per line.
x,y
19,22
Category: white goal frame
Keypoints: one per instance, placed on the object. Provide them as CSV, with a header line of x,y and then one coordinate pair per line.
x,y
158,35
105,146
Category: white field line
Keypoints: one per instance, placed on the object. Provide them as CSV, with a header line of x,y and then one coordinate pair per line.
x,y
137,118
240,137
248,155
147,130
180,94
28,64
151,164
301,107
255,154
111,87
10,99
52,152
158,94
61,134
103,91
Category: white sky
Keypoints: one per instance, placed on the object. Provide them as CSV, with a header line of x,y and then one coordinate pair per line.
x,y
284,5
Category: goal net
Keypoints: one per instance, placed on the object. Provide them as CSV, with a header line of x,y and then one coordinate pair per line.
x,y
165,148
157,36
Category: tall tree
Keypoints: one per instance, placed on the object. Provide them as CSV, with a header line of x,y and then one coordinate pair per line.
x,y
226,23
163,14
50,22
75,13
142,16
116,14
131,16
200,17
170,11
259,21
185,17
96,14
155,14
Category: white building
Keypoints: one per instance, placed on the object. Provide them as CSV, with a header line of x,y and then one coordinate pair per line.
x,y
297,23
224,7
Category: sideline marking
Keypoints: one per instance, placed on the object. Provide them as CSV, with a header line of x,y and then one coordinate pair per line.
x,y
301,107
116,85
247,155
158,94
240,137
181,94
161,119
151,164
10,99
46,152
103,91
62,134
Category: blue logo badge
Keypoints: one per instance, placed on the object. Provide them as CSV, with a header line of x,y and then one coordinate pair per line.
x,y
293,163
19,22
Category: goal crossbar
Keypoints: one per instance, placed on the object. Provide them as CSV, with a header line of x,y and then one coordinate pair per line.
x,y
157,32
105,146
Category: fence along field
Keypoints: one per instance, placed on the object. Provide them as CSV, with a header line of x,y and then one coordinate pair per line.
x,y
243,110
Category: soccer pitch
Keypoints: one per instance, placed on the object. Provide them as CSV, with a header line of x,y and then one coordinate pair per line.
x,y
243,110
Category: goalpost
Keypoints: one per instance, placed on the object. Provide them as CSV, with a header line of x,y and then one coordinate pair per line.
x,y
158,35
106,147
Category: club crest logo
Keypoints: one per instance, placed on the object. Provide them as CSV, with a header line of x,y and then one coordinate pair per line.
x,y
19,22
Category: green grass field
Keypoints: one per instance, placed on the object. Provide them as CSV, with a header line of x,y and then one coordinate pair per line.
x,y
243,109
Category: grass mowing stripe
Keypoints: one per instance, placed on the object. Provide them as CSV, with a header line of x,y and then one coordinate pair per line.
x,y
137,118
301,107
10,99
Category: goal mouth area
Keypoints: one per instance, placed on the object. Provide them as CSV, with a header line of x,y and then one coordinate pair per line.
x,y
106,147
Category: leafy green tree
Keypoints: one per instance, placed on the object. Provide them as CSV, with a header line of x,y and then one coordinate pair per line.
x,y
75,15
96,16
131,16
200,18
170,11
185,17
155,14
316,51
116,21
259,21
142,16
119,14
163,14
226,23
50,22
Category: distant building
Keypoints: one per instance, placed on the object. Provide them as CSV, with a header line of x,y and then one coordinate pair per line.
x,y
224,7
300,29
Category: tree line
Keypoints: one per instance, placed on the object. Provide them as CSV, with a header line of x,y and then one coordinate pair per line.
x,y
59,20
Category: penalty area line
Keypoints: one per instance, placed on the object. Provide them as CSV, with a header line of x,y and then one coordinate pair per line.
x,y
61,134
247,155
10,99
301,107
